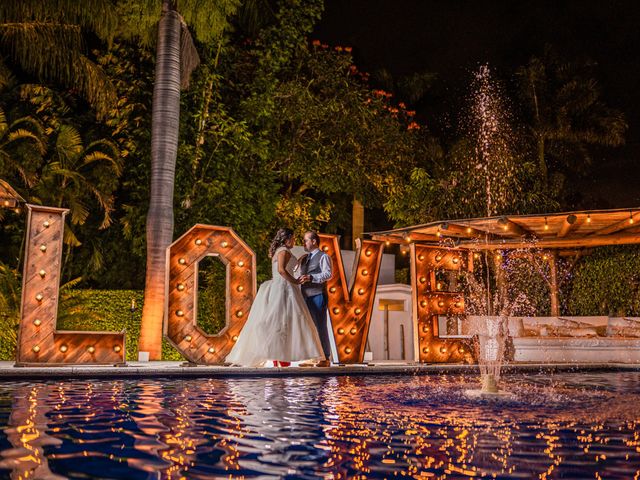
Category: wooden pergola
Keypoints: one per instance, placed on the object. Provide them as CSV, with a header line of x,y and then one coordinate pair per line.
x,y
551,234
568,230
9,198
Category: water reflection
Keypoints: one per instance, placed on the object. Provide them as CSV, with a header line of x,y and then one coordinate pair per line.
x,y
569,425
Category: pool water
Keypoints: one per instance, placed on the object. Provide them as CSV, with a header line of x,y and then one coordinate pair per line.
x,y
564,425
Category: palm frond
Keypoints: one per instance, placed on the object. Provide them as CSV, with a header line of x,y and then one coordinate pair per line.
x,y
22,134
189,59
68,143
98,156
99,16
69,238
7,79
4,126
52,52
208,18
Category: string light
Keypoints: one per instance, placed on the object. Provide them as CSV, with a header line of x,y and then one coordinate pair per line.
x,y
332,289
546,224
43,248
336,310
37,322
588,218
117,348
240,288
63,348
91,349
42,273
241,263
46,224
368,253
224,244
182,261
341,331
198,241
347,350
180,287
631,218
211,350
36,348
353,331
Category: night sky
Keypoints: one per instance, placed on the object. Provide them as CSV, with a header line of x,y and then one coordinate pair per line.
x,y
451,38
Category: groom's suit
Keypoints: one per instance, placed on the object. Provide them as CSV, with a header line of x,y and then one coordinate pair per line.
x,y
317,264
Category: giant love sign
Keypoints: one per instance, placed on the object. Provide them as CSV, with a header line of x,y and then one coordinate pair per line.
x,y
39,342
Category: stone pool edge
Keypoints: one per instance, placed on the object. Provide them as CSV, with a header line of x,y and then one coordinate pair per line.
x,y
178,369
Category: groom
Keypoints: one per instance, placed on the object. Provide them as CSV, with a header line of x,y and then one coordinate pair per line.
x,y
315,270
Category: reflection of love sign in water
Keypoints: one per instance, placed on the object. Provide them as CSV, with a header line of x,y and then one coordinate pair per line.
x,y
350,305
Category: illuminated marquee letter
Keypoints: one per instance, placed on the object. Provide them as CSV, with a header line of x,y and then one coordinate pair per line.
x,y
430,299
181,312
38,340
350,306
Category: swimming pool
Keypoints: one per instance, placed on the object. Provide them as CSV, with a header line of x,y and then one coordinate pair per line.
x,y
563,425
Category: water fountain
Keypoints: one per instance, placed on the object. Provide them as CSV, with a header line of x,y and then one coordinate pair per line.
x,y
496,173
490,335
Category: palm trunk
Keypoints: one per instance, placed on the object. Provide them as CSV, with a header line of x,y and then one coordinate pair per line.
x,y
164,147
542,163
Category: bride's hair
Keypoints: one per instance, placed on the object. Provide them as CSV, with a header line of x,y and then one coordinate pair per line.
x,y
282,237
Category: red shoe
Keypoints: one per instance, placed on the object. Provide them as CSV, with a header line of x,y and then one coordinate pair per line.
x,y
279,363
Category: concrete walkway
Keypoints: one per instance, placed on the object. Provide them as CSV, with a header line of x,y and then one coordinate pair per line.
x,y
179,369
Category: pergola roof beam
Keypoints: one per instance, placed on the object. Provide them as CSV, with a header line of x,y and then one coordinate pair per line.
x,y
630,222
589,241
570,223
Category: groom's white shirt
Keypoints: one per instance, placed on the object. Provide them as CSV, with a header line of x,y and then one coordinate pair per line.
x,y
325,266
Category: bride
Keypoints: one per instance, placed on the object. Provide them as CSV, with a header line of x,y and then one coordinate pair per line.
x,y
279,327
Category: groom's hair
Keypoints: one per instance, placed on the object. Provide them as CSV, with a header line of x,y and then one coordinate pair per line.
x,y
314,236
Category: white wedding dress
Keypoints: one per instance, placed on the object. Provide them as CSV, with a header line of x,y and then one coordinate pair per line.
x,y
279,326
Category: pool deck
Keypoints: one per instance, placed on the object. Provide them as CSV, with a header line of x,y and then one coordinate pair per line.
x,y
179,369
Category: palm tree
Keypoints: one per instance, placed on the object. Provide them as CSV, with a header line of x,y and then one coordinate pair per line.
x,y
176,57
75,176
16,161
567,114
44,38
